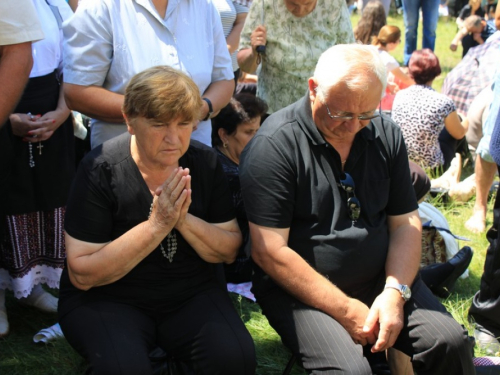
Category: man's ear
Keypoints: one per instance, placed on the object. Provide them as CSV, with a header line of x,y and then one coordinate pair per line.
x,y
313,86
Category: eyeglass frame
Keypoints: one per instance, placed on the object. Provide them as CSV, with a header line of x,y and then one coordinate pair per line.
x,y
349,118
353,203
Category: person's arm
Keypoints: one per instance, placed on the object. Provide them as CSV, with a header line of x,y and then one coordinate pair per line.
x,y
458,38
399,74
248,58
219,93
233,39
95,102
270,252
16,62
455,127
402,264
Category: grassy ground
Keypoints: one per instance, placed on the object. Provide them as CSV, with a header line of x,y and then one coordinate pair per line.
x,y
20,356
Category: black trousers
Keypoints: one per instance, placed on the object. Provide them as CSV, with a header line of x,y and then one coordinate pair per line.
x,y
485,308
436,343
206,333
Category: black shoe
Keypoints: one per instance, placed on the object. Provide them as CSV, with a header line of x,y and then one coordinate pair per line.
x,y
441,277
460,262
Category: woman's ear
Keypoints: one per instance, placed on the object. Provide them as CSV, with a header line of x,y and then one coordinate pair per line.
x,y
222,135
130,128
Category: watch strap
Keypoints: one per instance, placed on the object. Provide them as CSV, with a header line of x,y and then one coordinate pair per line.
x,y
403,289
210,109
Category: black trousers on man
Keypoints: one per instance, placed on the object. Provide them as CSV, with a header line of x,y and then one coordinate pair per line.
x,y
437,344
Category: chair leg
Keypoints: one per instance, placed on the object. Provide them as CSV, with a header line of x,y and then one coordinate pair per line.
x,y
289,365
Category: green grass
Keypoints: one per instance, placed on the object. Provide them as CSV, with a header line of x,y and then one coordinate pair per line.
x,y
20,356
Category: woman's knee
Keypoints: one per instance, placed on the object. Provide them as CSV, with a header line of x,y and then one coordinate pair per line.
x,y
232,353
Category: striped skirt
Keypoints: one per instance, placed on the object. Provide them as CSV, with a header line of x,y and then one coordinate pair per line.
x,y
32,251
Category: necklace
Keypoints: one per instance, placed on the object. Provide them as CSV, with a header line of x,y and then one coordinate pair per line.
x,y
171,241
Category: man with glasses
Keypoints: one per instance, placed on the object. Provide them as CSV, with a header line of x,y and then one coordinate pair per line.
x,y
336,236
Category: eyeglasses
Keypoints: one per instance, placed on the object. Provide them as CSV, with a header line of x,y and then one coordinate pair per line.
x,y
349,117
347,183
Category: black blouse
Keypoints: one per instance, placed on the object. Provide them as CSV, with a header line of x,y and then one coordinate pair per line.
x,y
110,196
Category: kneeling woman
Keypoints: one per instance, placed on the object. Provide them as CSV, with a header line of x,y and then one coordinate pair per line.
x,y
148,216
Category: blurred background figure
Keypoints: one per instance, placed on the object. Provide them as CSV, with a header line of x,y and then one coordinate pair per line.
x,y
422,114
387,40
385,3
371,21
233,128
430,16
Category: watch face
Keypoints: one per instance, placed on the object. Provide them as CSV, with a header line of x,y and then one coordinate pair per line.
x,y
406,292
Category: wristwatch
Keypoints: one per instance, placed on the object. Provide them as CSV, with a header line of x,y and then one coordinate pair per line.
x,y
210,109
403,289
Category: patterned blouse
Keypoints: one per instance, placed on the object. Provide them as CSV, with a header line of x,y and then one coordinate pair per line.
x,y
420,112
294,46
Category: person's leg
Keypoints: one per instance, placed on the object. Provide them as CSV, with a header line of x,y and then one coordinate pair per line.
x,y
430,16
485,308
319,342
114,338
434,340
410,15
208,334
485,174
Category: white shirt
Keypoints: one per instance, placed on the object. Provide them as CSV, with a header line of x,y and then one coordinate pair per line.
x,y
47,53
18,22
109,41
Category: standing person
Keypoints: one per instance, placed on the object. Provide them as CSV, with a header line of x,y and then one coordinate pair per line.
x,y
41,156
149,214
232,15
430,16
108,41
295,34
19,27
335,229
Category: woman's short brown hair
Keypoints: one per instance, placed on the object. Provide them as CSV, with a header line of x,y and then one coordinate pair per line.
x,y
163,94
424,66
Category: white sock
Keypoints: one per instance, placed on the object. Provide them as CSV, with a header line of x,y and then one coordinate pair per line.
x,y
4,322
41,299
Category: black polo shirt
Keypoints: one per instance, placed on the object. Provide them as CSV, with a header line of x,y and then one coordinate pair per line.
x,y
289,177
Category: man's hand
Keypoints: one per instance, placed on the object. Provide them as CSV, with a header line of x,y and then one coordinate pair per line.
x,y
354,320
386,315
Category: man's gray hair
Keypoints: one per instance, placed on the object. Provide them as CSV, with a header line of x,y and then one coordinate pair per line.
x,y
351,64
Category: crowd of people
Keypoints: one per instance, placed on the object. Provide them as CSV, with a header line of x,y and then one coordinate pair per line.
x,y
311,187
